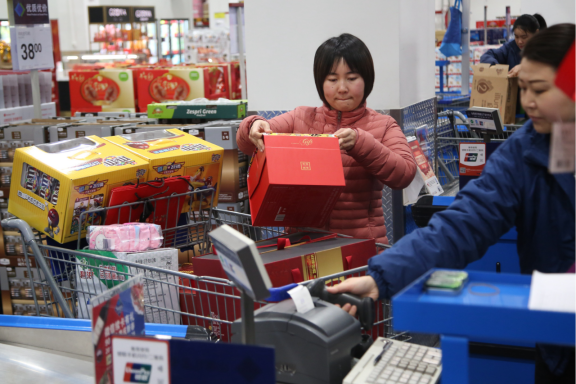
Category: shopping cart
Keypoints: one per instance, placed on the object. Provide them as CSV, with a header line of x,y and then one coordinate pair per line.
x,y
452,127
68,278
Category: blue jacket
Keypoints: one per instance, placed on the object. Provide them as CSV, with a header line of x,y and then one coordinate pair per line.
x,y
508,53
515,189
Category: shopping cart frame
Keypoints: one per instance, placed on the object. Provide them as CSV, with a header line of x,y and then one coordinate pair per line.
x,y
218,301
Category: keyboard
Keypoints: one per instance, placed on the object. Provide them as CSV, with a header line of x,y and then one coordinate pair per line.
x,y
391,361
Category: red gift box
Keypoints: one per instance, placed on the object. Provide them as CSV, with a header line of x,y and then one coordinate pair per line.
x,y
295,181
288,259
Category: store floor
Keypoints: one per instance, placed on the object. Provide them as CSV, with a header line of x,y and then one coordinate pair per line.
x,y
31,365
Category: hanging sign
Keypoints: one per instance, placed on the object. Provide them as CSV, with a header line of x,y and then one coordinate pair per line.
x,y
31,48
143,14
25,12
117,14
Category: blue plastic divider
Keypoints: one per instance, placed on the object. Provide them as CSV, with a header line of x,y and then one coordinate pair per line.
x,y
80,325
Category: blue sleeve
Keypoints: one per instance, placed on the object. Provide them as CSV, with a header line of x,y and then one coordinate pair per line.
x,y
495,56
481,213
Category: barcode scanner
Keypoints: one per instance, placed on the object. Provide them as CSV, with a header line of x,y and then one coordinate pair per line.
x,y
365,306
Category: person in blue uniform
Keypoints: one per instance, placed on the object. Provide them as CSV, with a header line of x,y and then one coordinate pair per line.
x,y
515,190
525,27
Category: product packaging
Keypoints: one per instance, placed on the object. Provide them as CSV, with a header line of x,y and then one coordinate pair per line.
x,y
425,171
109,90
172,152
59,181
180,83
94,276
234,184
199,109
129,237
492,88
296,181
288,259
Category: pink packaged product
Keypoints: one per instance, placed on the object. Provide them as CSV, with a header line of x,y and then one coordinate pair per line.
x,y
129,237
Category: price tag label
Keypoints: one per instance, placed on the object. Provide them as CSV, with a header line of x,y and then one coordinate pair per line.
x,y
31,48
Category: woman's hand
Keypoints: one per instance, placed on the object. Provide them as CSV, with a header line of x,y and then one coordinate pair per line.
x,y
364,286
514,71
346,138
259,127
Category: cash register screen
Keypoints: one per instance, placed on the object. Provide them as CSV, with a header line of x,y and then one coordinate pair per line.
x,y
241,261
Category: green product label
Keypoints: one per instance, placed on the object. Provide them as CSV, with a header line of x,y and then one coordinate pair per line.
x,y
123,76
194,75
109,273
159,111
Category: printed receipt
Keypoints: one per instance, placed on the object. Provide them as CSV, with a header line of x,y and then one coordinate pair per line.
x,y
302,298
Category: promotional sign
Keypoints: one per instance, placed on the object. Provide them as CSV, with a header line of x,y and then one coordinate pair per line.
x,y
31,48
140,360
472,158
119,310
28,12
430,180
117,14
143,14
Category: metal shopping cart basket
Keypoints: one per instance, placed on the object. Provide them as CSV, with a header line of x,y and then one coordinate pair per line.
x,y
68,278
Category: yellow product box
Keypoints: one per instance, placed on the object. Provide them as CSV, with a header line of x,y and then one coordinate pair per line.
x,y
62,180
172,152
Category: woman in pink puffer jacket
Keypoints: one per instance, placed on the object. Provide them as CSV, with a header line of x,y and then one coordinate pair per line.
x,y
374,149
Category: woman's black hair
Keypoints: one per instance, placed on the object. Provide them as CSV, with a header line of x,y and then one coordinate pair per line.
x,y
350,49
527,23
541,21
551,45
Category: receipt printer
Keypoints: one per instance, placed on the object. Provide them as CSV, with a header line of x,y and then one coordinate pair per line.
x,y
315,346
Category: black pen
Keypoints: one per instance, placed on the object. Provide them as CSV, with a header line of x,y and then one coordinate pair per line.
x,y
385,347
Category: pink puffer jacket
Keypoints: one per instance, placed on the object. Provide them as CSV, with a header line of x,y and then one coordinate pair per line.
x,y
381,156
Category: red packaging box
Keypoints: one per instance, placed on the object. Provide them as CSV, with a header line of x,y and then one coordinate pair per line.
x,y
304,257
296,181
289,259
106,90
180,83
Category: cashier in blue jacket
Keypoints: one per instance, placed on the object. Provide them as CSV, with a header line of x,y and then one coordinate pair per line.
x,y
515,190
524,28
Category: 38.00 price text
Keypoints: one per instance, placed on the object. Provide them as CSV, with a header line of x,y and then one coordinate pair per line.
x,y
29,51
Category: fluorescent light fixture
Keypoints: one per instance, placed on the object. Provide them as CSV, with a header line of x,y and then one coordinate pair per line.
x,y
103,57
71,57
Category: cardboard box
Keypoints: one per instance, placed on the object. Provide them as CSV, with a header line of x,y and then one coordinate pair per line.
x,y
181,83
234,186
232,110
11,115
189,129
296,181
109,90
61,180
492,88
171,152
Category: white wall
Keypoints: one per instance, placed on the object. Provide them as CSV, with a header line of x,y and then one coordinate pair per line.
x,y
554,12
282,38
416,51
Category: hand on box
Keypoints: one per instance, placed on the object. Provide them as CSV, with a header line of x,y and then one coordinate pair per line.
x,y
364,286
259,127
347,138
514,71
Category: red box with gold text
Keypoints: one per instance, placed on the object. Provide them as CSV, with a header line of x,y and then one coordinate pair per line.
x,y
295,181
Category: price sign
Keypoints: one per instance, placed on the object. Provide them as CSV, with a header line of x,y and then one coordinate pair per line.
x,y
31,48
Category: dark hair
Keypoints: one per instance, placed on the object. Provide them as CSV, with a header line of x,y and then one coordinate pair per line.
x,y
527,23
541,21
551,45
350,49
